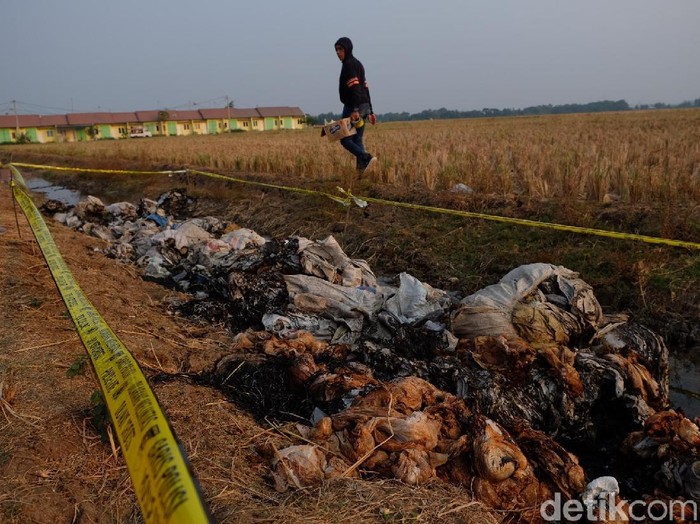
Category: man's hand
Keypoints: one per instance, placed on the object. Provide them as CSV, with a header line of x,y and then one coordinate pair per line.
x,y
355,116
372,118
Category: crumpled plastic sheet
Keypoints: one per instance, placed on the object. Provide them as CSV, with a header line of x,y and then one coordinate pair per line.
x,y
313,295
490,311
187,235
415,300
242,238
326,259
121,211
292,323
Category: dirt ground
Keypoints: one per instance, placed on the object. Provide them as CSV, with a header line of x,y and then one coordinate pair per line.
x,y
54,466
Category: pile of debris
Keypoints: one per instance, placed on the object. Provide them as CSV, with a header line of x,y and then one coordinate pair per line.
x,y
520,391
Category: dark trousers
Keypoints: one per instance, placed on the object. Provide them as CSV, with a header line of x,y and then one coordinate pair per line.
x,y
353,143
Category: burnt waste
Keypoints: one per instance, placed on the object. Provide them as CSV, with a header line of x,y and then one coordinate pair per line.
x,y
523,389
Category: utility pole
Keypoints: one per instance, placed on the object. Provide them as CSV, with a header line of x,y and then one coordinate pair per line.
x,y
14,107
228,114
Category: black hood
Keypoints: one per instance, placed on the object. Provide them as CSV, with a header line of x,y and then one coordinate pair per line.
x,y
346,44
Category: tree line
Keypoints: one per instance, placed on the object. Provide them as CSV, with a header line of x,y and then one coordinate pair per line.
x,y
549,109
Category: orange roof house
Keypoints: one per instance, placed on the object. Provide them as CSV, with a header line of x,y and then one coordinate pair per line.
x,y
73,127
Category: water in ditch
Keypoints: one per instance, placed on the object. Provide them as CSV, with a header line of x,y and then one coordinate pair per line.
x,y
53,192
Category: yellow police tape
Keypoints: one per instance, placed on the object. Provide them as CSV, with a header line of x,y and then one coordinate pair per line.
x,y
362,200
349,198
343,201
162,479
89,170
546,225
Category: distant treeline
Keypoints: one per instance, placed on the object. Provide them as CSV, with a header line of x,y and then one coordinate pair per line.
x,y
549,109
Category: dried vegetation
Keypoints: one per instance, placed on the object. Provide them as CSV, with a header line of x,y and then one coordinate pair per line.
x,y
636,157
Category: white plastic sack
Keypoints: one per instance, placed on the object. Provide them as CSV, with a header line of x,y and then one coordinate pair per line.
x,y
316,296
415,300
185,236
242,238
490,310
123,210
325,259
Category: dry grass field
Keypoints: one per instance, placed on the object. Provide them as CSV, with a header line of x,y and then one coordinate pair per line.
x,y
638,157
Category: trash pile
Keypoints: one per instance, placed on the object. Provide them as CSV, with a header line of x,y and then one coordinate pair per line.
x,y
520,391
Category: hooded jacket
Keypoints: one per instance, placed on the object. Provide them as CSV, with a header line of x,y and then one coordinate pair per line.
x,y
352,86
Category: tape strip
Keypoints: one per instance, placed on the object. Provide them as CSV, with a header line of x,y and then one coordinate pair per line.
x,y
335,198
163,481
546,225
90,170
360,200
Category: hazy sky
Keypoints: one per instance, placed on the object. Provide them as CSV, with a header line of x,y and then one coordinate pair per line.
x,y
126,55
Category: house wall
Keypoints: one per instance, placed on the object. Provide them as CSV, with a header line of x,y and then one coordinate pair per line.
x,y
279,122
218,126
295,122
66,135
199,127
10,135
46,135
105,131
186,128
115,130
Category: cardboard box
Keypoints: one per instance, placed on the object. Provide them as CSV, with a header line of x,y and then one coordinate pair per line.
x,y
338,129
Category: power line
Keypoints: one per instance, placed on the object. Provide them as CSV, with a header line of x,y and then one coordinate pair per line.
x,y
192,104
38,106
30,107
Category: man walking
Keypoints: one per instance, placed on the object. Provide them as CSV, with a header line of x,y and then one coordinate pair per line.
x,y
357,104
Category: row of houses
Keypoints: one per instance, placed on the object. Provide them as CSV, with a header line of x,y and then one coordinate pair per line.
x,y
76,127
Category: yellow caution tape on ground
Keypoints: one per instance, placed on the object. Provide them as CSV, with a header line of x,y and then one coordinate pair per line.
x,y
162,479
534,223
293,189
91,170
360,200
181,171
